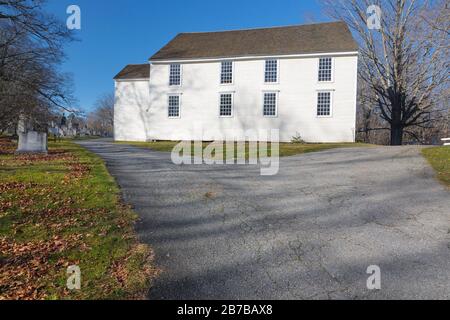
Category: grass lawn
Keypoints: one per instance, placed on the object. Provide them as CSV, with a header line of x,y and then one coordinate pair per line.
x,y
439,158
52,138
63,209
286,149
83,138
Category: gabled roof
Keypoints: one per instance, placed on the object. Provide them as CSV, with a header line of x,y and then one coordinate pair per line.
x,y
134,71
300,39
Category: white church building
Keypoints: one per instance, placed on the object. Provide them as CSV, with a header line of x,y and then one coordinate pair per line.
x,y
300,79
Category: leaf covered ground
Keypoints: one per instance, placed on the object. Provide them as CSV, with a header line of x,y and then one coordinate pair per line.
x,y
63,209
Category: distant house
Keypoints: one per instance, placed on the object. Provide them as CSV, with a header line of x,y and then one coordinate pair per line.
x,y
298,79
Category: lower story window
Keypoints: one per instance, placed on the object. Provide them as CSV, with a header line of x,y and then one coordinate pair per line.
x,y
270,104
324,104
226,104
174,106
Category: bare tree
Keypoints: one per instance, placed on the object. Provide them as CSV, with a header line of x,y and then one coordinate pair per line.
x,y
404,64
25,19
31,43
371,128
101,120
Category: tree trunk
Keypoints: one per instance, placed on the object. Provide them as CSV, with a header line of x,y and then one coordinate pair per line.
x,y
396,100
396,135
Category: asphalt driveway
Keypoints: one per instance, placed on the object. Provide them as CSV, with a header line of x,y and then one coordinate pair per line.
x,y
310,232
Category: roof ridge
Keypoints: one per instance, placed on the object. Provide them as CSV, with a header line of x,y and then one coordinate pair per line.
x,y
134,71
137,64
321,37
265,28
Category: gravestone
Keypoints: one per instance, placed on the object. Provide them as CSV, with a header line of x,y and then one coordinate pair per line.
x,y
31,141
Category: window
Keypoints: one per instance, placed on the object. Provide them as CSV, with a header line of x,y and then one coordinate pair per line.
x,y
270,104
271,72
175,75
226,73
174,106
226,104
325,69
324,104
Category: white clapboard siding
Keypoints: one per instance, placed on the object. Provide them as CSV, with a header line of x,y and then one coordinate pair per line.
x,y
141,106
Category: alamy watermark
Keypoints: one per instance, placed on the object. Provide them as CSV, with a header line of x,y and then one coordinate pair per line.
x,y
73,22
253,147
374,281
374,17
74,278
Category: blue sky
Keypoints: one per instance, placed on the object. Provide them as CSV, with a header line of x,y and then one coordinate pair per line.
x,y
116,33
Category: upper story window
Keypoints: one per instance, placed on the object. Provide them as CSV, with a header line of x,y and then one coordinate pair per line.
x,y
325,69
271,71
324,104
226,72
226,105
174,106
270,104
175,75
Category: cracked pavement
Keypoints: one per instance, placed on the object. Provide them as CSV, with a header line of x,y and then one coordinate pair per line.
x,y
310,232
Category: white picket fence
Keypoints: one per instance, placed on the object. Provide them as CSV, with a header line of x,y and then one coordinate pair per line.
x,y
446,141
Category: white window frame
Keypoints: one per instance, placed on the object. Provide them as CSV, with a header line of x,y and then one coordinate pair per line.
x,y
232,73
276,103
278,71
181,75
179,105
331,103
232,103
332,70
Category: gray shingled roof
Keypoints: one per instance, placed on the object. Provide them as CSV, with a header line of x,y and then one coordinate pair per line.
x,y
301,39
134,71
